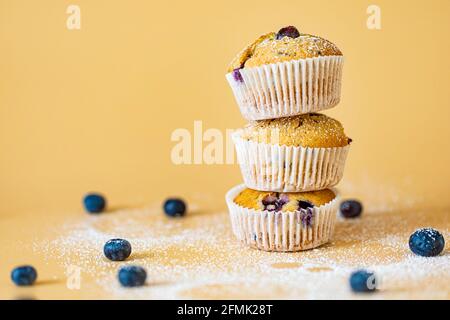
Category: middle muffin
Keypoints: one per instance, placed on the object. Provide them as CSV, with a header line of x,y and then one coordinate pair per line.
x,y
296,154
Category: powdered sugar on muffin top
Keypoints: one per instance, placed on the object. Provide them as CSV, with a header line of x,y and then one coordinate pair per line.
x,y
306,130
267,49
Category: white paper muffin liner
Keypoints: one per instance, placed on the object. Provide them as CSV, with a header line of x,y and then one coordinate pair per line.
x,y
281,231
280,168
288,88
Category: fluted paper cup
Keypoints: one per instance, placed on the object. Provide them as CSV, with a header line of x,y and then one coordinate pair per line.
x,y
287,88
280,168
282,231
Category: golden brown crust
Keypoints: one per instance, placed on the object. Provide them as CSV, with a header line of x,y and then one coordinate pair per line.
x,y
247,52
253,199
307,130
267,49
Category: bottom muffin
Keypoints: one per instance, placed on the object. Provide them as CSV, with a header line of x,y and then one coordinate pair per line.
x,y
273,221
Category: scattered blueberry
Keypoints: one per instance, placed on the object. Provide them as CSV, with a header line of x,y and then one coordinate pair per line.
x,y
117,249
24,275
174,207
94,203
426,242
237,75
351,208
132,276
289,31
363,281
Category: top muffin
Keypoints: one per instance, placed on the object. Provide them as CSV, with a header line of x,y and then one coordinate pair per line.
x,y
287,44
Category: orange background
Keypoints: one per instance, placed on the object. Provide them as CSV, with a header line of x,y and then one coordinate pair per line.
x,y
94,109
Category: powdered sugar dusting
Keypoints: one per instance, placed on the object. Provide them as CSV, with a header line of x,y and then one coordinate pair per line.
x,y
198,257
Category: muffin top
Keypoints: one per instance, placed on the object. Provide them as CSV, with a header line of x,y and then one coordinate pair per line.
x,y
274,201
307,130
287,44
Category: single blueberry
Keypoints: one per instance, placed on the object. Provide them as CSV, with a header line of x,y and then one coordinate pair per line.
x,y
94,203
426,242
24,275
289,31
363,281
132,276
117,249
174,207
351,208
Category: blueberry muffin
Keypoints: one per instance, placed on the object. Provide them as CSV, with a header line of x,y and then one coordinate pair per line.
x,y
276,221
296,154
286,73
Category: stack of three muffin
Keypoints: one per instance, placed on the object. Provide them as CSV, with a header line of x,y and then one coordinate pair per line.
x,y
289,155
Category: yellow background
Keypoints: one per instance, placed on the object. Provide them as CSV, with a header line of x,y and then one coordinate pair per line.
x,y
93,109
